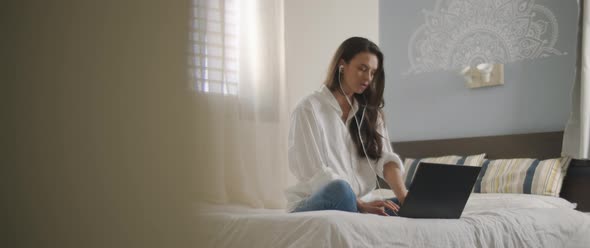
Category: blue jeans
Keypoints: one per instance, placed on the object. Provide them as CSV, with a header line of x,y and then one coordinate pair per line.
x,y
336,195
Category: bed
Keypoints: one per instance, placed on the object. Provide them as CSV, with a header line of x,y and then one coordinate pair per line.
x,y
489,220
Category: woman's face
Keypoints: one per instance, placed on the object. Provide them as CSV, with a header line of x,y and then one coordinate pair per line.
x,y
358,74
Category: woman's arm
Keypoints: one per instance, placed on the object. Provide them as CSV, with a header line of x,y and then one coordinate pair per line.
x,y
393,176
391,164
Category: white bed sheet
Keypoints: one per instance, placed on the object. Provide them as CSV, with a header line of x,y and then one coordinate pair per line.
x,y
489,220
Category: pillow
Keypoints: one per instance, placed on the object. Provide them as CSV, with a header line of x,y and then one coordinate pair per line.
x,y
411,164
522,175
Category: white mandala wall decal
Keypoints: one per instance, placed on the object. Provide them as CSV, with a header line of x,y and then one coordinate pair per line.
x,y
469,32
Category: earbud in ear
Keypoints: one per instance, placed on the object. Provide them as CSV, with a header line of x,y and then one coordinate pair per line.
x,y
340,68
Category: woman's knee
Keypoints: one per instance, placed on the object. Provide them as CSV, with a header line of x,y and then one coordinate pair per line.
x,y
336,195
343,197
340,187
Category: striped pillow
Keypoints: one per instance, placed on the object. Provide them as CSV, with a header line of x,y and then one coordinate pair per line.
x,y
411,164
523,175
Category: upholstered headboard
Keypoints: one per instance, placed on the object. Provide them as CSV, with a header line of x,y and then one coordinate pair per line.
x,y
533,145
576,187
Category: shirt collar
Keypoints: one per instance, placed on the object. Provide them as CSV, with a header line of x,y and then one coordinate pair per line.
x,y
331,99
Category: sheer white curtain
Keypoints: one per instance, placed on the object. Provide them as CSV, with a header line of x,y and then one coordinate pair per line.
x,y
239,79
576,141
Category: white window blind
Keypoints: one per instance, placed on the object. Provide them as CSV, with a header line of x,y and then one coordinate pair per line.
x,y
214,61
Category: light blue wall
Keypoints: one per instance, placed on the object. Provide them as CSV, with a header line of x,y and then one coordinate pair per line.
x,y
437,105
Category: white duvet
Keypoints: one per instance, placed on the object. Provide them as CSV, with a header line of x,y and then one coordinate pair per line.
x,y
489,220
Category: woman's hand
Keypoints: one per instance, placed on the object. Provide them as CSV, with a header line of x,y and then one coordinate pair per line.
x,y
377,207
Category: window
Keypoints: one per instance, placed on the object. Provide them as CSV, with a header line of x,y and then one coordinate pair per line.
x,y
214,61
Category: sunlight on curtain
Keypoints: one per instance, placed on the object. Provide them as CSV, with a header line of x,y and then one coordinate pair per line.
x,y
243,121
576,138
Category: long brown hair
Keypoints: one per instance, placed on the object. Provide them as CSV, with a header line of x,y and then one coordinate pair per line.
x,y
372,97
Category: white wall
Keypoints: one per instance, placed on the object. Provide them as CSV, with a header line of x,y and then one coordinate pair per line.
x,y
314,30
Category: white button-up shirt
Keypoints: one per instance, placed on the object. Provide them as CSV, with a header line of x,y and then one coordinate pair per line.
x,y
321,149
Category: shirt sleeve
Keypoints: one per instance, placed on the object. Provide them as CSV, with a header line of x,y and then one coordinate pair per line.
x,y
306,150
387,154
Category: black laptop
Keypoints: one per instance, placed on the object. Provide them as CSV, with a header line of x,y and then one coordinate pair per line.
x,y
439,191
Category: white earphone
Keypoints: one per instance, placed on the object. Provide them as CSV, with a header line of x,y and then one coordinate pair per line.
x,y
358,124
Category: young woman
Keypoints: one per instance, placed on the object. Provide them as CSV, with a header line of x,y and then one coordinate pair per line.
x,y
334,160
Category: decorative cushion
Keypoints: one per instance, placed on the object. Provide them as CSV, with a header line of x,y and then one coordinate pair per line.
x,y
522,175
411,164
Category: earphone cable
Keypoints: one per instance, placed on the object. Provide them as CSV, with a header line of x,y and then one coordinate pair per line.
x,y
359,133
